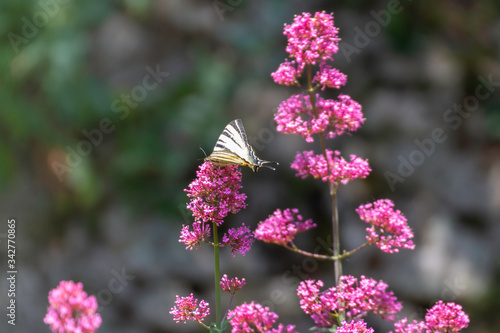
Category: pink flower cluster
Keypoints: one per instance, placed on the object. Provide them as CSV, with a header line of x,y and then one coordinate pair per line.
x,y
296,115
192,239
233,285
312,39
389,228
403,326
447,317
281,227
336,170
71,310
287,74
356,298
442,317
253,317
215,193
328,77
355,326
187,308
239,240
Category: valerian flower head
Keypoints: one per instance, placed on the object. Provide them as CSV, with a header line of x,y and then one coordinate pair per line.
x,y
192,239
337,170
329,77
354,297
287,74
231,285
187,308
389,228
442,317
331,118
254,317
71,310
355,326
239,240
446,317
312,39
215,193
403,326
281,227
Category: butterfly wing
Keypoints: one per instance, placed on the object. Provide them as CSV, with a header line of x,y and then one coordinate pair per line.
x,y
232,148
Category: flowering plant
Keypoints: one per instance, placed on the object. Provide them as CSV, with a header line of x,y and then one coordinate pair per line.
x,y
71,310
312,42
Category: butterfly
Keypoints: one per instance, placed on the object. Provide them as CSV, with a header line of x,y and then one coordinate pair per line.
x,y
232,148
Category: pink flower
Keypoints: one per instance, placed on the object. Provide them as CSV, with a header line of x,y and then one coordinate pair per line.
x,y
329,77
239,240
389,228
312,38
367,295
233,285
295,115
353,297
71,310
193,238
187,308
281,227
287,74
355,326
447,317
308,292
337,170
442,317
402,326
254,317
215,193
289,115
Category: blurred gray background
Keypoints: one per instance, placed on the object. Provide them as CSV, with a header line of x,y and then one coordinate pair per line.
x,y
103,105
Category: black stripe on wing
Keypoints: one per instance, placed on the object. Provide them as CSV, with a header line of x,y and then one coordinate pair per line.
x,y
238,125
232,138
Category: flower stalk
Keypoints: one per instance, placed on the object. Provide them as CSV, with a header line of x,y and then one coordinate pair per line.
x,y
334,258
217,275
337,263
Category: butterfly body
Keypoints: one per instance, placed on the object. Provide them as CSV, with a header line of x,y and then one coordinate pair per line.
x,y
232,148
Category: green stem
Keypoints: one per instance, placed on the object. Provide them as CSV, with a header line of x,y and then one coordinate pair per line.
x,y
336,234
324,256
208,328
347,254
337,264
309,254
217,276
228,307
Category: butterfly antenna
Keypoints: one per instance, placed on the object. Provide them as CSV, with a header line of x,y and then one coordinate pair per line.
x,y
265,164
203,151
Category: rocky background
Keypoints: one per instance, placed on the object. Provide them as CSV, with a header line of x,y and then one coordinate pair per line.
x,y
103,105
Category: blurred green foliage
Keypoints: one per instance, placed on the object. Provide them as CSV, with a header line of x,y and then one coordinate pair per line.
x,y
50,94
